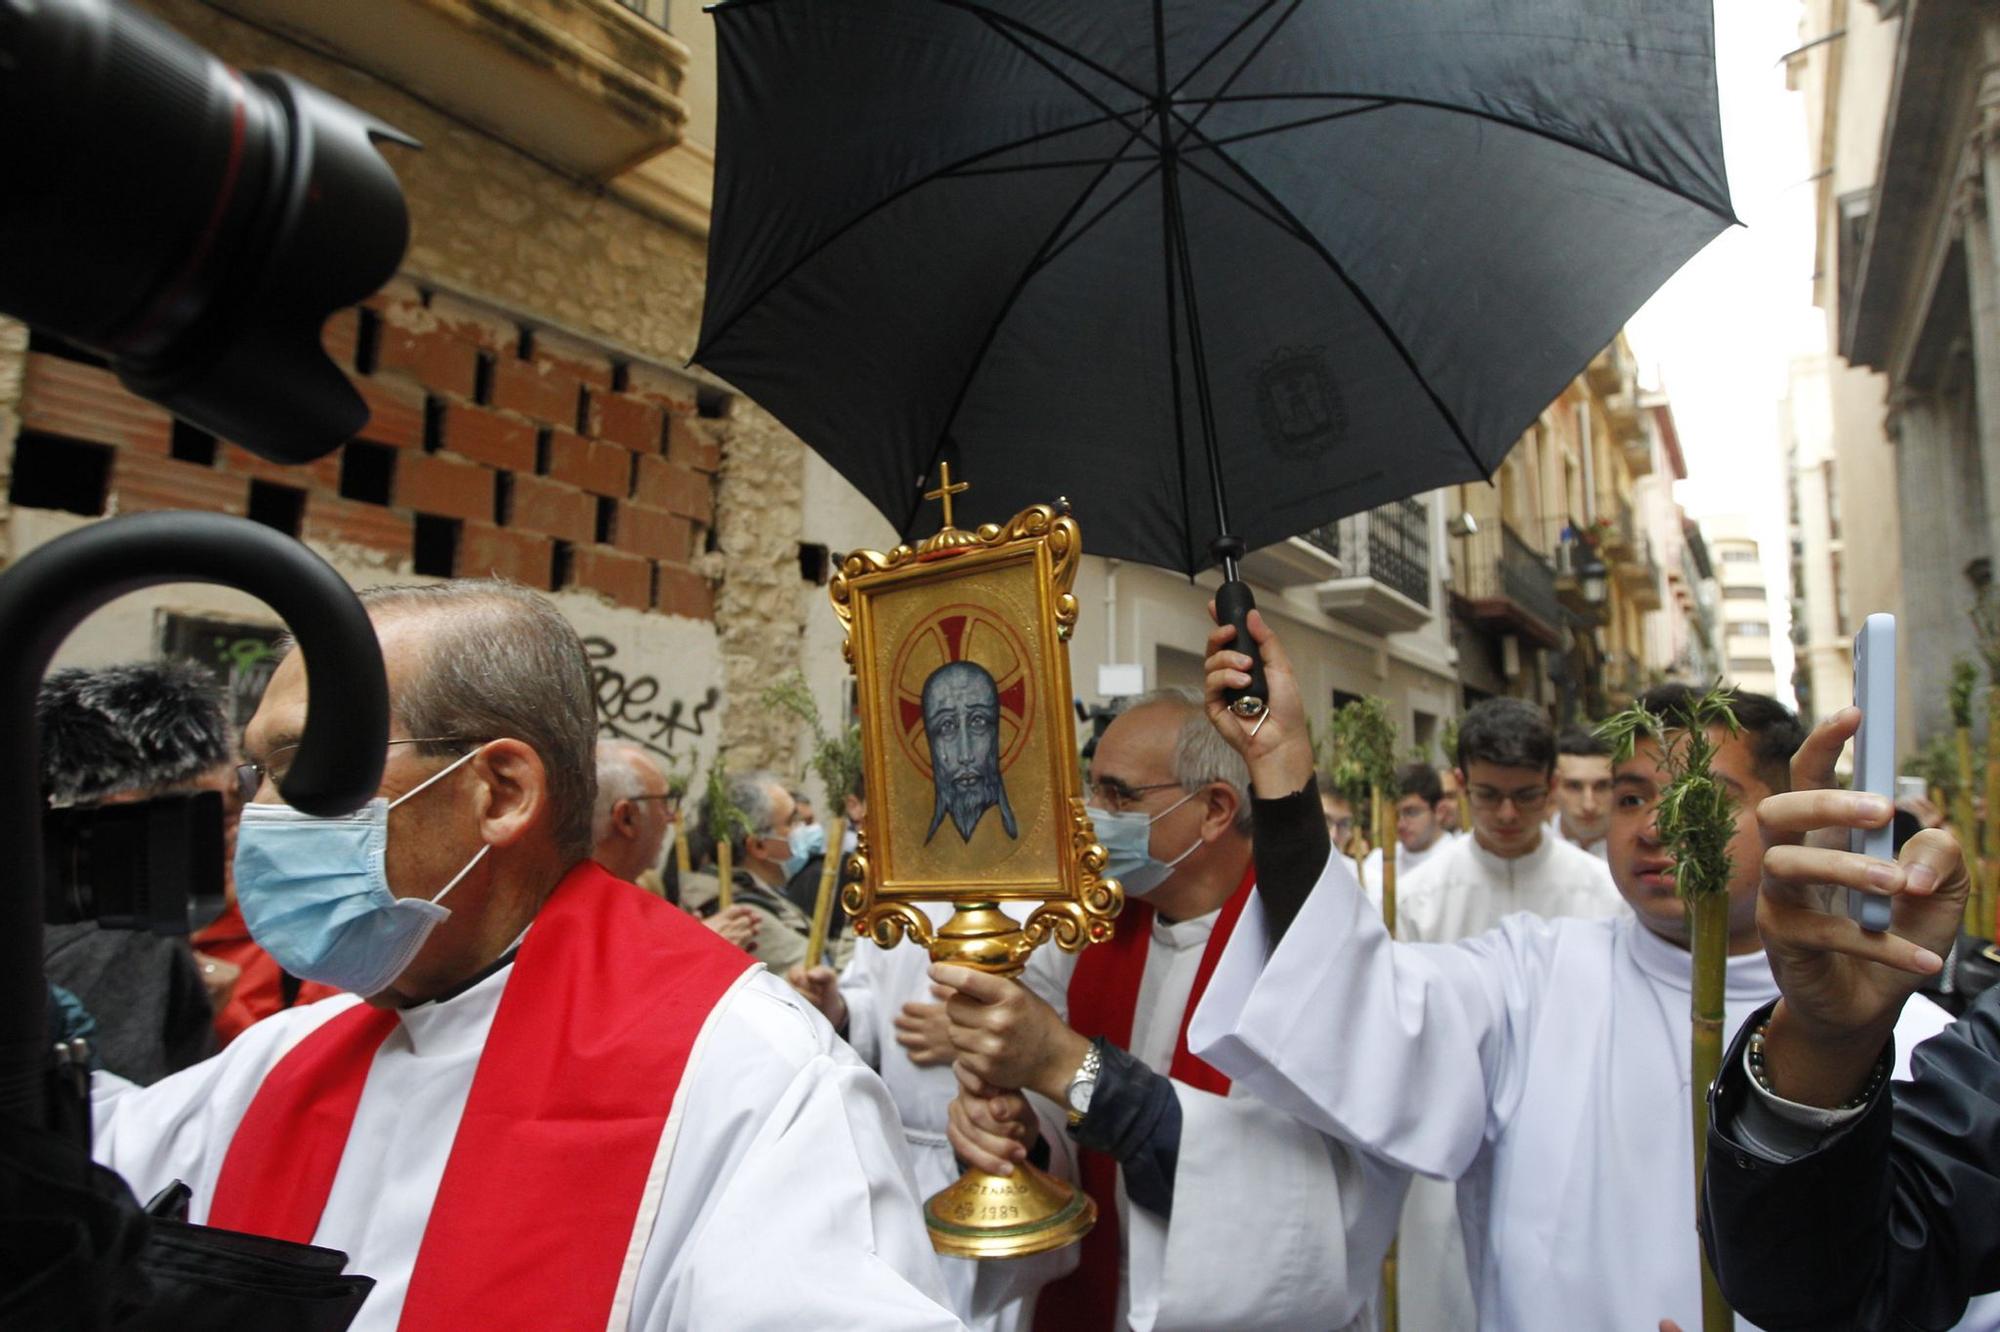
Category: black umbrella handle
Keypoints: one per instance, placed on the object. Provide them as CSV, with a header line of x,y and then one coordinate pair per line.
x,y
47,593
1233,604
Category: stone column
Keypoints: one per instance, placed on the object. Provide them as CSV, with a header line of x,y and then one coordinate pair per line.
x,y
1979,220
757,613
1937,509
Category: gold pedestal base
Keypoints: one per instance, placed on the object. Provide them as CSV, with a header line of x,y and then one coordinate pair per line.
x,y
1007,1216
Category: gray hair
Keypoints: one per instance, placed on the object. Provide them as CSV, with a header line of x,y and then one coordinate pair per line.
x,y
751,793
617,779
500,661
1201,755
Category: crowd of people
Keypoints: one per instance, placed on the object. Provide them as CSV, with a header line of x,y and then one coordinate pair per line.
x,y
497,1039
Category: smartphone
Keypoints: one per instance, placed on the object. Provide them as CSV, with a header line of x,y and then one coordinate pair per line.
x,y
1874,753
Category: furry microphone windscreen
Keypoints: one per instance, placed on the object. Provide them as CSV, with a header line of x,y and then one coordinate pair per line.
x,y
136,727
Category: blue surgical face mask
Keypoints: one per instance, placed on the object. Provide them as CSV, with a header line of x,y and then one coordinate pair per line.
x,y
1127,839
807,840
315,893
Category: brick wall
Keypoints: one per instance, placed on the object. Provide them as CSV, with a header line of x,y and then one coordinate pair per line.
x,y
492,449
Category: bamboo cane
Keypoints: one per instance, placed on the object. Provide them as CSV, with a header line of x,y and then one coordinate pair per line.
x,y
829,879
1391,1296
1968,827
725,885
682,860
1710,935
1989,859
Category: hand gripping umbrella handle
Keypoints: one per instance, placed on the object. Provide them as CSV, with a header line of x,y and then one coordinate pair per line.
x,y
1233,604
47,593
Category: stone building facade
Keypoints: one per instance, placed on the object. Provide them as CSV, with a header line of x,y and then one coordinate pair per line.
x,y
1905,99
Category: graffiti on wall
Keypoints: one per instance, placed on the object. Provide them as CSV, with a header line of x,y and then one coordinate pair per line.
x,y
241,655
632,707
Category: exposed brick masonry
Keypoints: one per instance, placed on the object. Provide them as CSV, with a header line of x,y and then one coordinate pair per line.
x,y
519,438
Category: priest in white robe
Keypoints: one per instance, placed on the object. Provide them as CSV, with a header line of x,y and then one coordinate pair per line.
x,y
559,1102
1544,1064
1215,1210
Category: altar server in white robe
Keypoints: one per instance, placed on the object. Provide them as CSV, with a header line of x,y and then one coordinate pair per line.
x,y
1583,791
1420,834
885,1005
1214,1209
1511,862
1544,1064
550,1100
1507,762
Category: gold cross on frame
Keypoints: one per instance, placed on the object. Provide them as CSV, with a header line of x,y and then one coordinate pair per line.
x,y
946,490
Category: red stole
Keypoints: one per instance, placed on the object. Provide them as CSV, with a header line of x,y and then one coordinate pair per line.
x,y
551,1178
1103,992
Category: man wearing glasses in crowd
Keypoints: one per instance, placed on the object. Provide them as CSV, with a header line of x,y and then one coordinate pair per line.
x,y
1506,765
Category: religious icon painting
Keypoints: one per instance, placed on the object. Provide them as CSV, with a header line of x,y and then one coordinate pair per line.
x,y
960,650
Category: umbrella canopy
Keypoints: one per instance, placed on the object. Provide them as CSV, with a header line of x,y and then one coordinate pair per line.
x,y
1305,255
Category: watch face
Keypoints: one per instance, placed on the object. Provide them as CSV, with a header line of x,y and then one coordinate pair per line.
x,y
1079,1094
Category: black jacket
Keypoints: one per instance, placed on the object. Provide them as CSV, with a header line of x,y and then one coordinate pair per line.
x,y
1892,1223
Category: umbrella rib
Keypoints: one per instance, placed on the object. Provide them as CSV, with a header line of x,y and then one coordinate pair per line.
x,y
1034,266
1223,45
1001,29
998,21
1078,233
1333,265
1726,213
1283,223
1241,66
1341,114
941,173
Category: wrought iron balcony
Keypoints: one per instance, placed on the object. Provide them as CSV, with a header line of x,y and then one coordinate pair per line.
x,y
1639,574
1385,558
1504,584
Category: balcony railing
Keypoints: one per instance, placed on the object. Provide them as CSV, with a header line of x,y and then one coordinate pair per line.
x,y
654,11
1391,544
1385,558
1504,582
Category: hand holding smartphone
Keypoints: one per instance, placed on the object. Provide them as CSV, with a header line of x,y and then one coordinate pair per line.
x,y
1874,753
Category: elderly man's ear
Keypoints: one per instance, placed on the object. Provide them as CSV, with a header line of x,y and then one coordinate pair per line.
x,y
1220,802
512,791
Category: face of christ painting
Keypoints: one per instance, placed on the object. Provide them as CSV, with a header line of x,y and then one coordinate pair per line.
x,y
961,708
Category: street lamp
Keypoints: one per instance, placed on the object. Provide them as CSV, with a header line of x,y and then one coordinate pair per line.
x,y
1590,576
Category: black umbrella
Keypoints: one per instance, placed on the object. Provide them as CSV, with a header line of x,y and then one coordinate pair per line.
x,y
1205,267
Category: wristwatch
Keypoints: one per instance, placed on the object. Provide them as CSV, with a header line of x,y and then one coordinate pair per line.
x,y
1077,1095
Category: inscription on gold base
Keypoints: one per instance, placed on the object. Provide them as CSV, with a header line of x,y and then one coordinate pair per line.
x,y
1007,1216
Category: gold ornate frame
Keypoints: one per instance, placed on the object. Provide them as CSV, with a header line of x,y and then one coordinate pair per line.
x,y
1076,904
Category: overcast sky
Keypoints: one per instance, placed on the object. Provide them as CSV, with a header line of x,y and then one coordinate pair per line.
x,y
1719,337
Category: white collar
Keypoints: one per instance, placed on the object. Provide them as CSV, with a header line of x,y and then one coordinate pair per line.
x,y
1746,976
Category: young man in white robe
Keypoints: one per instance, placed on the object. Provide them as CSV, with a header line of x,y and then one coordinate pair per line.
x,y
1214,1209
1506,766
1511,861
1543,1064
1583,791
1420,834
551,1100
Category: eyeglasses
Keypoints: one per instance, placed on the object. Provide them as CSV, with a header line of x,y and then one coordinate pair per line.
x,y
1113,796
251,775
1526,799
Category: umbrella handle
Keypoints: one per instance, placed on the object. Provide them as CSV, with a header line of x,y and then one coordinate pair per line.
x,y
1233,604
